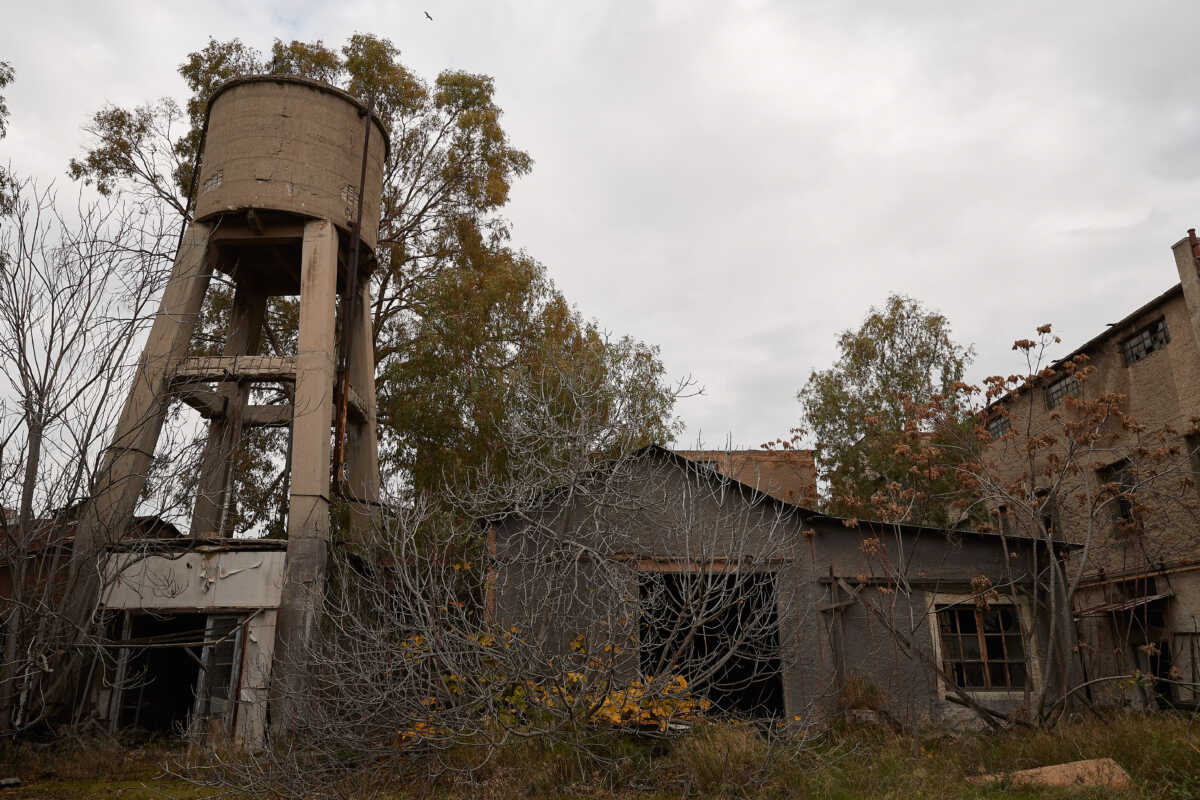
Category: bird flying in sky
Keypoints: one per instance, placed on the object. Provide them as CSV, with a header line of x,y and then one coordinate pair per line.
x,y
428,17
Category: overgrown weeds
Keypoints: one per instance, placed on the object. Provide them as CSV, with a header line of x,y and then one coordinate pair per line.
x,y
98,766
715,759
721,756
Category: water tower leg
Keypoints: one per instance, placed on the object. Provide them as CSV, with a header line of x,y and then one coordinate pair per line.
x,y
213,489
308,515
123,473
362,445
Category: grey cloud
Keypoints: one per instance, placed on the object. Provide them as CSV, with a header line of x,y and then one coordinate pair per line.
x,y
740,182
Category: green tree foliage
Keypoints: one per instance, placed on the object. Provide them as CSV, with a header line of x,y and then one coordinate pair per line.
x,y
8,184
459,315
6,77
860,411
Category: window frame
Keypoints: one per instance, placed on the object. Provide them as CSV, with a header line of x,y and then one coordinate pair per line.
x,y
1122,513
941,600
219,644
1070,386
999,425
1146,340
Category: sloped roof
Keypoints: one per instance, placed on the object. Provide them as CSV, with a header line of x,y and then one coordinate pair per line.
x,y
807,513
788,475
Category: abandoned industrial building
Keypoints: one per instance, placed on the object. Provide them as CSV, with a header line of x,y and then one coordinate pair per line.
x,y
1133,499
768,607
707,566
288,204
788,475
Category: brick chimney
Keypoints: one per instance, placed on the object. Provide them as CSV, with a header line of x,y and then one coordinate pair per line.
x,y
1187,261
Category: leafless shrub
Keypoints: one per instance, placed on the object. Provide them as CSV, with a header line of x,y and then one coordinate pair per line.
x,y
77,290
593,587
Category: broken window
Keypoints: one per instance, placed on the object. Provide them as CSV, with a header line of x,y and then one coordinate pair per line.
x,y
982,648
1118,484
1003,523
1185,650
157,672
219,669
175,669
1150,338
1047,511
1066,385
720,631
998,426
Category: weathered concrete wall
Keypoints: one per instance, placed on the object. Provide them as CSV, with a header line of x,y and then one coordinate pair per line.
x,y
258,650
672,518
1162,389
575,569
290,144
937,565
248,582
1162,392
195,581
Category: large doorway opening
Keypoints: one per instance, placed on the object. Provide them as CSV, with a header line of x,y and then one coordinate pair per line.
x,y
720,630
178,673
158,688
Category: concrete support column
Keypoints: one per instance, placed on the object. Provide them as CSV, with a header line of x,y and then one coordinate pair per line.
x,y
362,445
122,476
308,518
214,488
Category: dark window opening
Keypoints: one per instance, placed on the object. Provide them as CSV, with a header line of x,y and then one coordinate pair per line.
x,y
1066,385
1118,484
1047,511
1003,523
1131,589
166,660
220,664
982,648
1144,628
1147,340
720,631
159,686
998,426
1192,442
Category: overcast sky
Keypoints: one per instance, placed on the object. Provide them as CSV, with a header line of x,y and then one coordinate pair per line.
x,y
738,182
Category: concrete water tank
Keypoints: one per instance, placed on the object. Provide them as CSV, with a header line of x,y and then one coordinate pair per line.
x,y
281,143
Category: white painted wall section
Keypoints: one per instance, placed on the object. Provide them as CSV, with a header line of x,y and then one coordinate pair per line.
x,y
195,580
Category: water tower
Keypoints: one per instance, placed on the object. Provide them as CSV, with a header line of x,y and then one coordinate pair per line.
x,y
287,203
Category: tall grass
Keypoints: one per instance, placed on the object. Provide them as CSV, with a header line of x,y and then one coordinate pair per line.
x,y
714,760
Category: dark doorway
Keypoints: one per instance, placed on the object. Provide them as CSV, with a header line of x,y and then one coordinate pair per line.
x,y
720,630
159,686
1145,629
